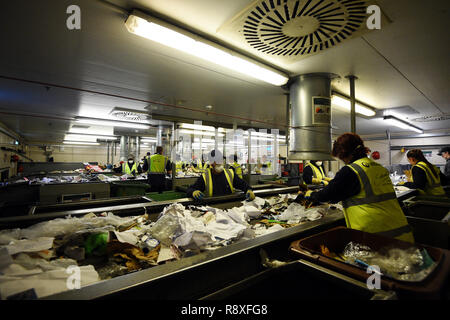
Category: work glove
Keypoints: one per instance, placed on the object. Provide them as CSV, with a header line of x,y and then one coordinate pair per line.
x,y
197,195
327,179
303,195
401,183
324,182
250,195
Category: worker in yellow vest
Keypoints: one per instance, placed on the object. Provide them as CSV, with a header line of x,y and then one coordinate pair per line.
x,y
202,165
217,181
313,173
366,191
426,178
129,167
157,166
236,167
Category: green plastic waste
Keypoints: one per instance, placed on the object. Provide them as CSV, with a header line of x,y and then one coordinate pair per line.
x,y
96,243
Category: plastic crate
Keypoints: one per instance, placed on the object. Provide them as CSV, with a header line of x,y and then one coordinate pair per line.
x,y
166,195
337,238
121,189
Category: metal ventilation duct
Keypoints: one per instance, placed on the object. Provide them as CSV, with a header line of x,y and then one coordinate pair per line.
x,y
310,117
289,30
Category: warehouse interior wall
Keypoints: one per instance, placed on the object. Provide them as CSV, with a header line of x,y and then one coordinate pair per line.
x,y
382,146
6,166
72,153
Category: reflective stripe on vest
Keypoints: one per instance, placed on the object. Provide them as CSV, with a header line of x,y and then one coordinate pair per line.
x,y
433,185
317,171
238,169
207,178
375,208
157,163
126,168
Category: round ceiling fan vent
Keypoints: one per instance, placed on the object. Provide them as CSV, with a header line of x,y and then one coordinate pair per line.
x,y
299,28
129,115
433,118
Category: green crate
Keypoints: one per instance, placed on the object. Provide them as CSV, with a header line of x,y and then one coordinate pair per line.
x,y
122,189
167,195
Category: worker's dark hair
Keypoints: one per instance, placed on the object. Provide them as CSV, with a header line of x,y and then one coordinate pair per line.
x,y
159,149
148,153
235,158
417,154
349,145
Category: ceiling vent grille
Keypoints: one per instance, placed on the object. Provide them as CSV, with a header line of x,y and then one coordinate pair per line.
x,y
293,29
433,118
129,115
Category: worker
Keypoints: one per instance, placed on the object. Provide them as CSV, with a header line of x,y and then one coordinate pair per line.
x,y
179,164
313,173
217,181
202,165
236,167
445,153
129,167
157,165
366,191
426,178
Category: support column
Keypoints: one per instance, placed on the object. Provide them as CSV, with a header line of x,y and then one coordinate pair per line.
x,y
352,79
123,148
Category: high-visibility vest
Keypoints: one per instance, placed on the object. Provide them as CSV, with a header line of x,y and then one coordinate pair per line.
x,y
179,166
375,208
201,166
433,186
126,168
207,178
317,171
157,163
237,167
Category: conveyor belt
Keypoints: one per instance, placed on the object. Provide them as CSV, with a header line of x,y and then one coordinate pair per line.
x,y
133,209
199,275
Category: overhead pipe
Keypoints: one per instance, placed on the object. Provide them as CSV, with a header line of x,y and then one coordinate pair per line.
x,y
352,79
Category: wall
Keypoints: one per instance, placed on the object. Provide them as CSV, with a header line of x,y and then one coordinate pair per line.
x,y
5,156
72,153
398,157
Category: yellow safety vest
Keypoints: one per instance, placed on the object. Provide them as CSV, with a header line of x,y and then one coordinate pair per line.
x,y
201,167
433,186
207,178
238,169
179,166
157,163
375,208
317,171
126,168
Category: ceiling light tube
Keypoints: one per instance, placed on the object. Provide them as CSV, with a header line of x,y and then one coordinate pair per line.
x,y
87,137
176,38
112,123
82,143
343,102
393,121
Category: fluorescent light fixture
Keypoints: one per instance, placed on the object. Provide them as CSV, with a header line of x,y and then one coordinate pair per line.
x,y
344,103
393,121
113,123
82,137
82,143
200,127
154,30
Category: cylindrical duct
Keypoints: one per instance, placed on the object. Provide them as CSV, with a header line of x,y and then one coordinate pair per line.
x,y
310,117
123,148
137,149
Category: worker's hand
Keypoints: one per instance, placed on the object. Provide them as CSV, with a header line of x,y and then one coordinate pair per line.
x,y
303,195
308,194
401,183
197,195
324,182
327,179
250,195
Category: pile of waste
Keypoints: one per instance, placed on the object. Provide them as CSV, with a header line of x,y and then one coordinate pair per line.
x,y
102,247
412,264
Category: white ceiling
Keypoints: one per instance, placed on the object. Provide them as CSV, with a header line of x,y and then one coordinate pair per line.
x,y
403,64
